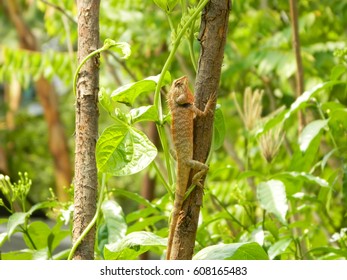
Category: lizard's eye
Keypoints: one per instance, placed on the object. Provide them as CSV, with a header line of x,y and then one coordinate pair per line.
x,y
178,84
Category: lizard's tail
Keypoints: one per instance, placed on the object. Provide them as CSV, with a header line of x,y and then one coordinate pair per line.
x,y
175,213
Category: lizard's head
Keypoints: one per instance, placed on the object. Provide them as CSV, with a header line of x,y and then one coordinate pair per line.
x,y
180,91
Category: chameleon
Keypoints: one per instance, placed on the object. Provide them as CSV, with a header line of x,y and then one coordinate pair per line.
x,y
183,111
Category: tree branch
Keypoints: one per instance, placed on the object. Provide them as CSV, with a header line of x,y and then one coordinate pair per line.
x,y
212,37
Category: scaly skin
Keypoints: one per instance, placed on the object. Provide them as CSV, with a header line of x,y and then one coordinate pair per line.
x,y
183,111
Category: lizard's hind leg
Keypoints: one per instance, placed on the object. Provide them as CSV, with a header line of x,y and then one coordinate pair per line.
x,y
203,169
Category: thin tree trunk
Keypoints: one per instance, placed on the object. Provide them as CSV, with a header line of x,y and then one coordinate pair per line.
x,y
299,75
86,179
213,32
48,99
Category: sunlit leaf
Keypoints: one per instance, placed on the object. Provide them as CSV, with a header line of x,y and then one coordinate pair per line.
x,y
310,132
114,219
279,247
14,221
234,251
38,232
144,113
133,245
123,150
272,198
218,128
128,93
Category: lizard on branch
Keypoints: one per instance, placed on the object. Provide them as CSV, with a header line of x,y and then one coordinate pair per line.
x,y
181,104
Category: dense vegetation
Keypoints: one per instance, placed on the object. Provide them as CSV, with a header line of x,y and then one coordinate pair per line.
x,y
274,190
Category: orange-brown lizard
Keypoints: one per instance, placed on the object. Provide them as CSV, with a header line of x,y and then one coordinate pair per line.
x,y
181,104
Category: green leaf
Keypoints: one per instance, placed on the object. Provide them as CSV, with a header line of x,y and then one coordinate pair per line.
x,y
38,232
133,245
146,222
128,93
300,102
123,150
114,219
303,176
42,205
234,251
310,132
15,220
337,72
135,197
218,128
106,101
143,113
57,235
122,47
25,254
279,247
272,198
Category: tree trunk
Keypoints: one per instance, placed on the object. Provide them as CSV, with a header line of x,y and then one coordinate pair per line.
x,y
86,179
48,98
213,32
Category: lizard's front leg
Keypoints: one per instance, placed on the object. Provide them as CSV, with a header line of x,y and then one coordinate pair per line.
x,y
203,169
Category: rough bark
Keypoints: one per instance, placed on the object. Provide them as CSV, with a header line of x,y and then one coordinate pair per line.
x,y
86,180
48,99
213,32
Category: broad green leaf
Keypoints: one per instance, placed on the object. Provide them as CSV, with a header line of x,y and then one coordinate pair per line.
x,y
128,93
140,214
144,113
123,150
310,132
25,254
272,198
303,176
42,205
337,71
338,120
296,105
218,128
328,250
234,251
302,99
146,222
114,219
38,232
135,197
42,254
304,161
133,245
57,235
279,247
14,221
106,101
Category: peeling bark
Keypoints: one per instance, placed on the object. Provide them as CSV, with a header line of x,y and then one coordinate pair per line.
x,y
213,32
86,180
